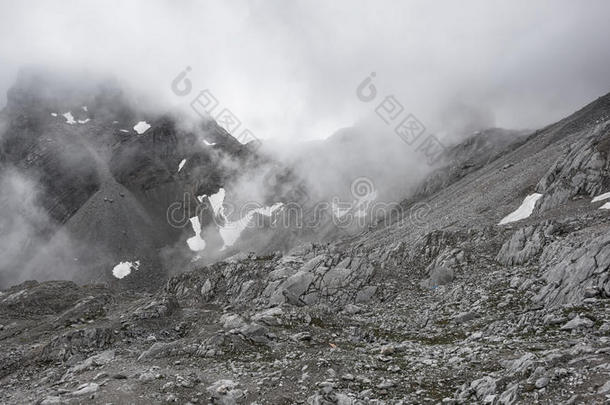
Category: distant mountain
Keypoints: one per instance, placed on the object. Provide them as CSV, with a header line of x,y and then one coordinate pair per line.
x,y
104,187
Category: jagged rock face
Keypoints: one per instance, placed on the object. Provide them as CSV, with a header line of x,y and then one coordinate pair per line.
x,y
33,297
444,268
526,243
584,169
296,280
580,273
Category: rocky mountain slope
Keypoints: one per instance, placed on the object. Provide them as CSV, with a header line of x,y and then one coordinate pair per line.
x,y
103,174
448,307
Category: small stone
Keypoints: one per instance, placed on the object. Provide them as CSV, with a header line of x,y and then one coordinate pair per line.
x,y
542,382
465,317
591,292
232,321
388,350
577,323
352,309
85,389
385,384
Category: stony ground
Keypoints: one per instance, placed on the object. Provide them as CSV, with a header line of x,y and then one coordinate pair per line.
x,y
247,330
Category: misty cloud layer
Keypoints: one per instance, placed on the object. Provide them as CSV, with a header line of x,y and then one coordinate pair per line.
x,y
289,69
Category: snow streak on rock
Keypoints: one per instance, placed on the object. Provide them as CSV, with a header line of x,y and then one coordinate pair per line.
x,y
123,269
196,243
231,230
181,165
524,211
141,127
69,118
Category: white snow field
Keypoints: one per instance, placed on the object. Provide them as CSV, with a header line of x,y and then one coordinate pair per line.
x,y
525,209
141,127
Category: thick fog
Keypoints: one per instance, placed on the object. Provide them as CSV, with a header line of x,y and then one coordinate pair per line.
x,y
289,69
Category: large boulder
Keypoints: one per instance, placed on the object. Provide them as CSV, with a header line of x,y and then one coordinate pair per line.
x,y
580,273
525,244
443,269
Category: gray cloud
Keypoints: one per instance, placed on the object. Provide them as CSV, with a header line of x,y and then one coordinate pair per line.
x,y
289,69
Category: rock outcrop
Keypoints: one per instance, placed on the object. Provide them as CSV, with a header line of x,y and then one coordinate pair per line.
x,y
584,169
321,279
582,273
526,244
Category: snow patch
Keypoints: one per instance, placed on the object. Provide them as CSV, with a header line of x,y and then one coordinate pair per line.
x,y
54,114
216,201
339,212
601,197
606,206
84,121
85,108
123,130
196,243
141,127
123,269
181,165
69,118
230,231
524,211
206,143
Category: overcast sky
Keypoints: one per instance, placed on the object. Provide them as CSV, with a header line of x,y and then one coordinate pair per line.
x,y
290,69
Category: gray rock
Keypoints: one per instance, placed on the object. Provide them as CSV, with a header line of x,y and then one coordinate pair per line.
x,y
94,361
232,321
225,392
542,382
352,309
365,294
578,323
84,389
465,317
520,366
582,269
582,170
604,389
525,244
442,270
269,317
510,395
483,387
296,285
